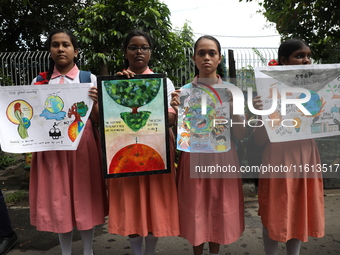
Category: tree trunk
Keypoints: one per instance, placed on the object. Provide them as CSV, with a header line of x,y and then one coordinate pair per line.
x,y
104,69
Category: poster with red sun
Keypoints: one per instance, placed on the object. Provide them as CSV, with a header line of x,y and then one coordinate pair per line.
x,y
44,117
134,125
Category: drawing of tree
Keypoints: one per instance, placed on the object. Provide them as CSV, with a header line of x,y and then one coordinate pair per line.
x,y
133,93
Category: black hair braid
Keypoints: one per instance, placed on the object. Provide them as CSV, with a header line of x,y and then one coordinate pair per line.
x,y
197,72
50,69
220,71
126,63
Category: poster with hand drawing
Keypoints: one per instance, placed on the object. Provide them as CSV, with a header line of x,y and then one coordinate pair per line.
x,y
44,117
323,84
206,132
134,125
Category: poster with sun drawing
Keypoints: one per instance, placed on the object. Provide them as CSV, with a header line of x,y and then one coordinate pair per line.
x,y
43,117
203,119
285,91
134,128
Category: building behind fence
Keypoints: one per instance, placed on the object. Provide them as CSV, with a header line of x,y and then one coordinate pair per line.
x,y
23,67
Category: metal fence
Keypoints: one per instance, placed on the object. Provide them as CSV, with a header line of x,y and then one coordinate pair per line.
x,y
245,60
247,57
22,67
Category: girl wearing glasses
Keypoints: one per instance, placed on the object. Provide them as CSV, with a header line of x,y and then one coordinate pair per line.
x,y
144,207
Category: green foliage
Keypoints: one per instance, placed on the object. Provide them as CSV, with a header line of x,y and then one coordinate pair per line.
x,y
316,21
258,53
246,77
133,93
101,26
5,80
104,25
135,121
331,53
25,22
185,35
6,159
17,196
184,38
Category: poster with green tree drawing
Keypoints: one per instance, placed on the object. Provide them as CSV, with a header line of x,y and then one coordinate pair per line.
x,y
134,125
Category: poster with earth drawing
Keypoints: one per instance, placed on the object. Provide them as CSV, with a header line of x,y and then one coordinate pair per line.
x,y
43,117
303,101
203,127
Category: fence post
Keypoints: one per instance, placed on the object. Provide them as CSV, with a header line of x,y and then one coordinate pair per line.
x,y
232,69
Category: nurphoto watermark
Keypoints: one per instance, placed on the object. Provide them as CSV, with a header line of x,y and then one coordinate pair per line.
x,y
238,106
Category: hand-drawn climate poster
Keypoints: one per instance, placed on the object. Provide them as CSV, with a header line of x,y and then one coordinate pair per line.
x,y
43,117
134,126
207,131
323,83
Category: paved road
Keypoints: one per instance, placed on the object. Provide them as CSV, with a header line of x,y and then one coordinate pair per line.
x,y
35,242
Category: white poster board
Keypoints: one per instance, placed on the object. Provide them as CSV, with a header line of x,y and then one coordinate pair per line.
x,y
200,131
43,117
277,84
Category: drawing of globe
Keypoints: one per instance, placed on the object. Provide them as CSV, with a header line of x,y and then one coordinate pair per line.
x,y
26,122
314,105
54,104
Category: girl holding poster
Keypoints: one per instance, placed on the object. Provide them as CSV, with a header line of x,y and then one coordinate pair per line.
x,y
291,207
144,207
210,208
67,188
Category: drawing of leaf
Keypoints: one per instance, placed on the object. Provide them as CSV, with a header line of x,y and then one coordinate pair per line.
x,y
135,121
335,86
133,92
327,90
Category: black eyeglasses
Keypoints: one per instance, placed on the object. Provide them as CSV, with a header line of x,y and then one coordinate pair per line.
x,y
144,50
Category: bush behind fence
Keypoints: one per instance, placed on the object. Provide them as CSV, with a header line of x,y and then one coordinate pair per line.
x,y
22,67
